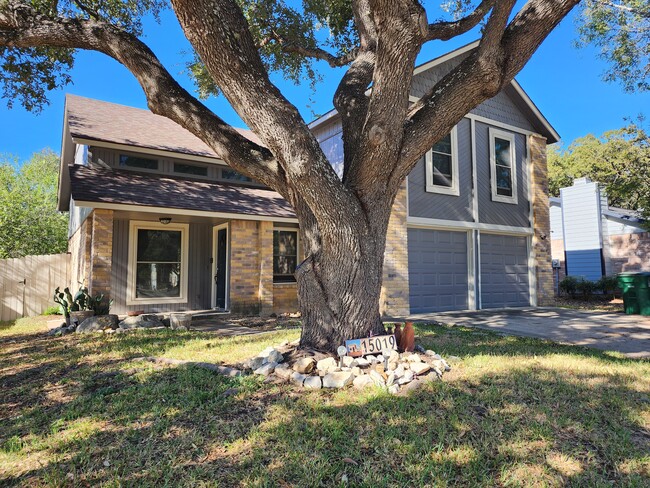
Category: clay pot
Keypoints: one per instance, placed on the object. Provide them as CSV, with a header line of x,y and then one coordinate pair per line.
x,y
408,338
398,336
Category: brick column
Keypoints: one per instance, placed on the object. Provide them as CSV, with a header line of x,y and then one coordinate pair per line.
x,y
101,257
266,267
244,267
541,220
394,300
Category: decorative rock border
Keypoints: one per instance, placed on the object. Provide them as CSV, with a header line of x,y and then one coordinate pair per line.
x,y
110,324
390,370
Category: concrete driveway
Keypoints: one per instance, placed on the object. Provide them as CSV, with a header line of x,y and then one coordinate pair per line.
x,y
629,334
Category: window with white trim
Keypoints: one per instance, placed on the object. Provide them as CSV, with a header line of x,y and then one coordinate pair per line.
x,y
157,263
503,166
285,255
441,163
138,162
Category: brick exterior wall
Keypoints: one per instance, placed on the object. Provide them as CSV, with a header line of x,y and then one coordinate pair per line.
x,y
394,299
80,247
266,290
541,220
629,252
285,298
101,258
244,266
251,271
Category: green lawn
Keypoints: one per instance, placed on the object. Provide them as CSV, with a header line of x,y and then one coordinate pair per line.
x,y
78,411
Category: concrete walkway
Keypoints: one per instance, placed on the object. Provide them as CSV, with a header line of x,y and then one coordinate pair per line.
x,y
629,334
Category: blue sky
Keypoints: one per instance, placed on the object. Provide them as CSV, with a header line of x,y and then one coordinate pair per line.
x,y
564,82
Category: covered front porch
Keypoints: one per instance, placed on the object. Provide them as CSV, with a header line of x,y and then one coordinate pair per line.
x,y
211,246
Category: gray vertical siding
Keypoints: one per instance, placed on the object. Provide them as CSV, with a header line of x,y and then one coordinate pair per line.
x,y
501,108
447,207
199,270
500,213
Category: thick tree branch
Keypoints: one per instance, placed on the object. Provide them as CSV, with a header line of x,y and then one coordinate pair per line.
x,y
21,26
350,99
478,77
220,34
447,30
401,29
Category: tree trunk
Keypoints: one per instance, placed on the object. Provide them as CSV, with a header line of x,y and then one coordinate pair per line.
x,y
339,282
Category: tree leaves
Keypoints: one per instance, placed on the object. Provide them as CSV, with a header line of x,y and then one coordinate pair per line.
x,y
619,160
29,221
621,29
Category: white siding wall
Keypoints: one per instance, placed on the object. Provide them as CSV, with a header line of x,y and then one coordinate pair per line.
x,y
556,221
581,214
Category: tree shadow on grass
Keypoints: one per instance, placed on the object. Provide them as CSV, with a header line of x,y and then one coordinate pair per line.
x,y
531,423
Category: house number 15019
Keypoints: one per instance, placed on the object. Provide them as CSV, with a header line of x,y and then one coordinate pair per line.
x,y
370,345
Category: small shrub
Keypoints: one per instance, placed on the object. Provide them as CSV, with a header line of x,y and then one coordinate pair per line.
x,y
569,286
608,285
586,288
53,310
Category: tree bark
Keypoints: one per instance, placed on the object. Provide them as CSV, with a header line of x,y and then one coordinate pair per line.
x,y
339,282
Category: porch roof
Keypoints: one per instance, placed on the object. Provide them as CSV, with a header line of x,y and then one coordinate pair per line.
x,y
106,186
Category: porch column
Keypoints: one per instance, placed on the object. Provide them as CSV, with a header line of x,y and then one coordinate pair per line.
x,y
244,267
101,256
541,220
266,268
394,300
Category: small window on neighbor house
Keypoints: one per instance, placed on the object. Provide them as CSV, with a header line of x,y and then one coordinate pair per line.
x,y
231,174
138,162
503,166
285,255
190,169
442,166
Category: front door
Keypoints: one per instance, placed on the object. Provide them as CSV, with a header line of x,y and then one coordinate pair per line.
x,y
221,267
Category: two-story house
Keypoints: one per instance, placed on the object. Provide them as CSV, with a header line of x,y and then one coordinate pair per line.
x,y
159,223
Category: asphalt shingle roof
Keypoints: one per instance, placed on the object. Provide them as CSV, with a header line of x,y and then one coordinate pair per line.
x,y
152,190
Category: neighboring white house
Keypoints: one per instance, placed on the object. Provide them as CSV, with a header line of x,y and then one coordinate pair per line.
x,y
591,239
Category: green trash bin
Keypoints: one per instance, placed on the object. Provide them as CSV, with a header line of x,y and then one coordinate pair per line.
x,y
642,286
627,284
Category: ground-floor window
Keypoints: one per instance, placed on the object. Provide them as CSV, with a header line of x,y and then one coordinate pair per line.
x,y
285,255
157,263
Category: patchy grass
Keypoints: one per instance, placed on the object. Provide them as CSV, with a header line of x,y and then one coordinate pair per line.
x,y
514,412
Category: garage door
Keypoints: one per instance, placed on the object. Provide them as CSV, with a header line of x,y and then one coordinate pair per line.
x,y
437,270
504,271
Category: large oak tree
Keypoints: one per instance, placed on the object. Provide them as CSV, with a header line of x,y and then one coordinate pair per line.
x,y
343,221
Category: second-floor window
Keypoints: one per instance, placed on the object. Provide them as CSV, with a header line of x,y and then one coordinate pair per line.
x,y
503,169
190,169
138,162
231,174
442,166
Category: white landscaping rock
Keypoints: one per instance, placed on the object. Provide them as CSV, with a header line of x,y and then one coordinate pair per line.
x,y
304,365
356,371
255,363
298,378
362,362
414,358
347,361
391,379
338,380
313,383
407,378
399,371
283,371
271,355
266,369
377,378
325,365
393,389
420,368
363,381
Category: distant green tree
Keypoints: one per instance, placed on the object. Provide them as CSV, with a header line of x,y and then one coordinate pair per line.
x,y
619,160
29,221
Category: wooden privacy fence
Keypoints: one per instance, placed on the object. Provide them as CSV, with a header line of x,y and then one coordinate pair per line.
x,y
27,284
